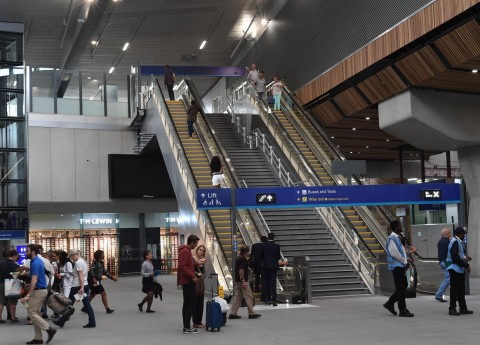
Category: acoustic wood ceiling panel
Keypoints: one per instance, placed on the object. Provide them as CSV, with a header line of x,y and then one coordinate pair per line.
x,y
327,113
462,44
421,65
454,81
351,101
391,80
374,89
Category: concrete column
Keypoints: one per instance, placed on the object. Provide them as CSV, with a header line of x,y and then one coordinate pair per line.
x,y
470,161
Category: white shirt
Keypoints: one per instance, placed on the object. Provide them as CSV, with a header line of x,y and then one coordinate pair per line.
x,y
252,75
46,263
393,250
277,88
217,179
80,265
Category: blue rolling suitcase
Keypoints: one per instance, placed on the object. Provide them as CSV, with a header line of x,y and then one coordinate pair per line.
x,y
214,315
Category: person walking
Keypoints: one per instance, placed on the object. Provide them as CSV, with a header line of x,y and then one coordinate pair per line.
x,y
187,278
242,286
192,112
80,289
457,265
271,259
36,296
6,267
397,262
200,260
442,247
147,272
169,80
277,92
97,271
65,272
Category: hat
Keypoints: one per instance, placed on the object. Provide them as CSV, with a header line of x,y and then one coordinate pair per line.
x,y
459,230
73,252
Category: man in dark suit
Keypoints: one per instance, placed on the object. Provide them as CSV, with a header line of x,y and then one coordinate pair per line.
x,y
256,261
271,257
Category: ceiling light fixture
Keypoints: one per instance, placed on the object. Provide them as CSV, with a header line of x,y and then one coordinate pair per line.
x,y
203,45
387,140
474,70
94,42
89,78
111,70
264,21
367,118
332,137
125,46
354,129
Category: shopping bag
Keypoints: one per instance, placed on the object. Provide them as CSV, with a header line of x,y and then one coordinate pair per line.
x,y
13,287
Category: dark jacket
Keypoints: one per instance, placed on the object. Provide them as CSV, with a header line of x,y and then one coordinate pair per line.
x,y
442,247
454,254
186,266
256,253
270,255
192,112
168,77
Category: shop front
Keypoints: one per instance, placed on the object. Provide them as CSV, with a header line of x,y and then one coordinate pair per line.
x,y
122,236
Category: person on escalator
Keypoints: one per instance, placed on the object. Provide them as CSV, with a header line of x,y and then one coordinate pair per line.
x,y
277,92
217,173
397,262
169,80
261,85
192,112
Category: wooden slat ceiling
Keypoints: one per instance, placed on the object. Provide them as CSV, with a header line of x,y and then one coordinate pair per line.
x,y
444,63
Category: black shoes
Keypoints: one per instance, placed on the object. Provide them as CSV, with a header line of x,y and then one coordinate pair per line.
x,y
150,311
441,299
453,312
83,310
89,326
51,333
465,311
274,304
34,341
59,322
390,308
233,317
405,313
140,307
109,311
253,316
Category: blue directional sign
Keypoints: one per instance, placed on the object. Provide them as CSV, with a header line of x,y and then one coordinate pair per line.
x,y
214,198
12,234
392,194
264,197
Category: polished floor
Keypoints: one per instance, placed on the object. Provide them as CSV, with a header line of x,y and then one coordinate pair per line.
x,y
335,321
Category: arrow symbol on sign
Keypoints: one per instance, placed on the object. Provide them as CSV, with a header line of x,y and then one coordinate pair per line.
x,y
202,195
269,198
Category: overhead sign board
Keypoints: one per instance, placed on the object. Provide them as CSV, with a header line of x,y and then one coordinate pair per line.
x,y
214,198
12,235
327,196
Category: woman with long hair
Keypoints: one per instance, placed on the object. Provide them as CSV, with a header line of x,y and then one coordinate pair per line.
x,y
97,270
147,282
200,260
217,173
65,272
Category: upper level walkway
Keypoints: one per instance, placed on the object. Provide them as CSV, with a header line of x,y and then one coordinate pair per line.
x,y
329,321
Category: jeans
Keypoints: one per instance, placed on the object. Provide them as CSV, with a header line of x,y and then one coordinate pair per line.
x,y
277,98
190,128
188,304
85,301
446,281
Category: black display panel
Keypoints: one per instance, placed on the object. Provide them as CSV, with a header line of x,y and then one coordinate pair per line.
x,y
138,176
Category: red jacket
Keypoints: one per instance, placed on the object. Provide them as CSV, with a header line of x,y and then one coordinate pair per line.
x,y
186,266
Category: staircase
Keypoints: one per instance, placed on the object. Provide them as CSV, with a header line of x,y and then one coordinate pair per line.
x,y
325,177
299,232
200,166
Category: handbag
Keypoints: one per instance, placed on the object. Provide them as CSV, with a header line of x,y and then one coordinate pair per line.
x,y
200,286
13,287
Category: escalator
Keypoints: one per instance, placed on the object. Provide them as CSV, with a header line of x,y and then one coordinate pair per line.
x,y
200,165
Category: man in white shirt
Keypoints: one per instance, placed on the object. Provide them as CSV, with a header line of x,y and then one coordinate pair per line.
x,y
80,290
397,262
252,73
